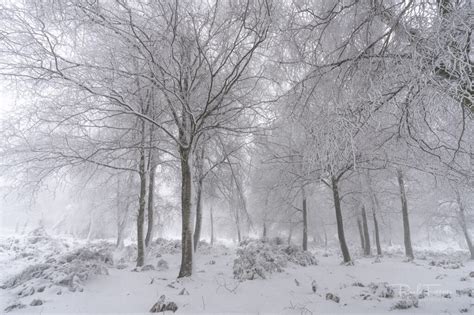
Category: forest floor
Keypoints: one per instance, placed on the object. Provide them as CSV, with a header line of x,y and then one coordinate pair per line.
x,y
59,279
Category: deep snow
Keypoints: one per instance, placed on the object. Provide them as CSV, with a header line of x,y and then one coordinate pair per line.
x,y
213,289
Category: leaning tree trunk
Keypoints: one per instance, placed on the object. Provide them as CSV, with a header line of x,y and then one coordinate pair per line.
x,y
361,234
340,225
141,211
186,269
151,209
463,223
406,221
366,233
197,227
305,223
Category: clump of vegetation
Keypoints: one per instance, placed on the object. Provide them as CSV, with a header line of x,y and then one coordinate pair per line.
x,y
258,258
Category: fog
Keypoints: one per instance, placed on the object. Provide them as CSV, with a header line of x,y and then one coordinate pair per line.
x,y
260,133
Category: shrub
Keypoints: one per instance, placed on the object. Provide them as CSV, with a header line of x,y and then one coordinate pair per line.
x,y
258,258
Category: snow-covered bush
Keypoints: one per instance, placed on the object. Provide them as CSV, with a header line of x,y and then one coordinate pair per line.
x,y
382,289
69,270
299,257
446,264
204,247
163,246
258,258
407,302
376,291
468,291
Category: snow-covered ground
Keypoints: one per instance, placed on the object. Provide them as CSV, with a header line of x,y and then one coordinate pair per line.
x,y
369,286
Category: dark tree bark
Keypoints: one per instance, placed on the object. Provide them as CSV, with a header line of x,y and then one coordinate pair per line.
x,y
367,251
361,234
186,269
141,210
406,221
151,208
340,225
377,235
197,227
305,223
200,181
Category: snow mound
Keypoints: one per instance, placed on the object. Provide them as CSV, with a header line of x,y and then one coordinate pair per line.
x,y
258,258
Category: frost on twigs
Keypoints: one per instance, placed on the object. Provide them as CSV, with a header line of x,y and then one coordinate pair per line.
x,y
258,258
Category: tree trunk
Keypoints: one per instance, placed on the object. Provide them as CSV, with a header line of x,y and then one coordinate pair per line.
x,y
119,243
91,226
305,223
237,225
197,227
186,269
361,234
406,222
212,227
366,233
325,239
151,208
340,226
463,223
290,233
200,180
468,240
377,235
375,208
264,234
141,211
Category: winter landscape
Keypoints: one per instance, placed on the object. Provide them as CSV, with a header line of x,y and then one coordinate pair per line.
x,y
236,156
